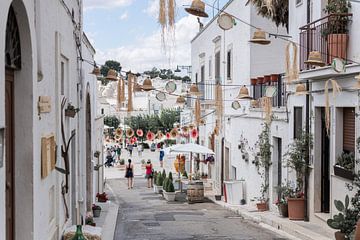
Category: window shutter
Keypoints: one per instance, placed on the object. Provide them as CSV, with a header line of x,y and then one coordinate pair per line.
x,y
349,129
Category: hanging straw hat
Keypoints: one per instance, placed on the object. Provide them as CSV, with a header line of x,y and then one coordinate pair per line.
x,y
96,71
243,93
112,75
315,59
137,87
197,8
147,85
180,100
119,131
357,84
174,133
259,37
194,90
300,89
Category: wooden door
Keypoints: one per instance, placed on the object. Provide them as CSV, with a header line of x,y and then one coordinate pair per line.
x,y
9,153
325,166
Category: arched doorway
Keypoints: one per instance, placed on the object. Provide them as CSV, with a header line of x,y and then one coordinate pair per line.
x,y
18,124
89,165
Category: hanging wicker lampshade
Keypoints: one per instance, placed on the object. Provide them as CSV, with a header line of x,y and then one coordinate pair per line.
x,y
259,37
315,59
244,93
119,131
197,8
180,100
96,71
194,90
300,90
112,75
147,85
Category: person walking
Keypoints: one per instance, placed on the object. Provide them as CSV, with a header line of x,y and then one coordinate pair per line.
x,y
161,157
149,174
130,148
140,149
129,174
118,153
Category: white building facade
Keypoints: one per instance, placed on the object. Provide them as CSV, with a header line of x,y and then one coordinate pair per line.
x,y
41,59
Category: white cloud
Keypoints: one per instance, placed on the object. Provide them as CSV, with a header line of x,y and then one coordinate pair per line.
x,y
124,16
95,4
146,53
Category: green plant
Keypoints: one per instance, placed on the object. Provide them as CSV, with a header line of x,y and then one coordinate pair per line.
x,y
346,160
184,175
165,183
163,174
296,154
284,192
338,22
345,220
170,176
170,187
159,180
155,176
143,161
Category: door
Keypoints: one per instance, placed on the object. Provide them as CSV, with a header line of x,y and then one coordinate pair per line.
x,y
9,153
325,166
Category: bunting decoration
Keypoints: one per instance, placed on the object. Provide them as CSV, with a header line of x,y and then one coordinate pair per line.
x,y
292,69
130,92
335,90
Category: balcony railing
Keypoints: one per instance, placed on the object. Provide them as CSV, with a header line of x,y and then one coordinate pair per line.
x,y
327,35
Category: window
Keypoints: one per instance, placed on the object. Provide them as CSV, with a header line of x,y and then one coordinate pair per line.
x,y
210,67
202,80
298,2
297,121
229,65
217,67
62,78
349,129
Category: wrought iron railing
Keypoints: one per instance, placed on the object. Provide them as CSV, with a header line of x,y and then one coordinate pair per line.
x,y
327,35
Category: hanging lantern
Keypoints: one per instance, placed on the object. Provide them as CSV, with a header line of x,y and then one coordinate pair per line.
x,y
194,133
167,135
300,89
180,100
194,90
150,136
112,75
119,131
174,133
197,8
96,71
139,133
315,59
147,85
244,93
259,37
129,133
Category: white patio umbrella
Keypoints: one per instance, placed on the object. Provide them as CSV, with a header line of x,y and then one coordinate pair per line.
x,y
188,148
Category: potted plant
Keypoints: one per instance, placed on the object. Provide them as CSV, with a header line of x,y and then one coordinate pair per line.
x,y
143,163
96,210
267,79
102,197
344,221
274,78
296,154
262,161
283,192
345,165
89,219
122,164
71,111
159,183
253,81
169,191
336,30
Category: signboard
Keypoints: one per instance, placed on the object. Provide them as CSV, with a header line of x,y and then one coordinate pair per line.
x,y
48,158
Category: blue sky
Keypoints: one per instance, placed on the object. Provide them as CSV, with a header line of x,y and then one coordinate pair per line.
x,y
128,31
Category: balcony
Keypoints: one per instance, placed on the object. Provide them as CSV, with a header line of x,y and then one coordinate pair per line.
x,y
327,35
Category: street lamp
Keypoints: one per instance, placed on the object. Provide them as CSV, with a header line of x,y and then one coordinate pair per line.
x,y
183,67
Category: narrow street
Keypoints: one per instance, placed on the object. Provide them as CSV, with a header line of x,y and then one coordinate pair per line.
x,y
146,215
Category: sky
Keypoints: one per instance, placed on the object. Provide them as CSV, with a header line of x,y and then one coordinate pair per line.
x,y
128,31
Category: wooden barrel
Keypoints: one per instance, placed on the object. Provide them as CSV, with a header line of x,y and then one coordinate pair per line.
x,y
195,192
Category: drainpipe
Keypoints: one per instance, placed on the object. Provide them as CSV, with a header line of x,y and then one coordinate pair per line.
x,y
307,129
222,165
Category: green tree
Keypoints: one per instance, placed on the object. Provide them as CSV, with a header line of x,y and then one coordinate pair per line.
x,y
111,121
109,64
168,117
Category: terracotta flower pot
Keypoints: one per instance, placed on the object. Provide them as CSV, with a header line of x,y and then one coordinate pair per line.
x,y
274,77
283,210
339,235
260,80
253,81
267,79
262,206
296,208
337,45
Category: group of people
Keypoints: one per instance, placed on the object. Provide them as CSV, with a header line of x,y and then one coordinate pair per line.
x,y
149,174
112,155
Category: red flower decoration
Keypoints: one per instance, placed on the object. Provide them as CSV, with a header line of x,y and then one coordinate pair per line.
x,y
150,136
135,139
194,133
168,136
132,141
139,132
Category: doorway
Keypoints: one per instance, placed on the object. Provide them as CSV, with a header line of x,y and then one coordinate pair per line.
x,y
9,153
325,166
277,166
89,166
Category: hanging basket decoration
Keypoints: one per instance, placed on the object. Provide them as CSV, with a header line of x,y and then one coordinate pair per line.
x,y
147,85
129,133
117,137
315,59
96,71
139,133
197,8
259,37
150,136
194,134
167,135
159,135
134,139
119,131
170,87
174,133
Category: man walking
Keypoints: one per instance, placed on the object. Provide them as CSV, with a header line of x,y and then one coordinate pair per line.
x,y
161,158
